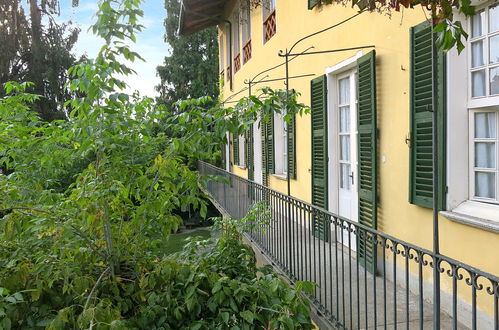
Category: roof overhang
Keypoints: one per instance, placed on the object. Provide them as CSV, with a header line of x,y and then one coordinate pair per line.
x,y
197,15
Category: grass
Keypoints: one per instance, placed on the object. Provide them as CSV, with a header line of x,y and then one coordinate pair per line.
x,y
176,242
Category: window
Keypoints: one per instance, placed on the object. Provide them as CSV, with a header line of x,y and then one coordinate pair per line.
x,y
238,149
472,122
483,121
228,54
236,40
246,29
484,52
221,64
269,19
484,142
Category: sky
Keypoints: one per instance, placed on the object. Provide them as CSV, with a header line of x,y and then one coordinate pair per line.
x,y
150,42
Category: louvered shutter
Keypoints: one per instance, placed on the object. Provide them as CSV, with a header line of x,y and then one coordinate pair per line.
x,y
318,107
250,154
421,125
235,148
312,3
367,150
291,134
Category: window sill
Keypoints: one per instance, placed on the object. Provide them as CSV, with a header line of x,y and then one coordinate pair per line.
x,y
475,214
241,167
281,176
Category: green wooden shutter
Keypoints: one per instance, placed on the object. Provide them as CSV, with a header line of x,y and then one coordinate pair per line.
x,y
421,122
312,3
291,127
318,107
270,145
367,164
235,148
250,159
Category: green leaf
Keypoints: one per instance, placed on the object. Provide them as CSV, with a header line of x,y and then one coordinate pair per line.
x,y
248,316
225,317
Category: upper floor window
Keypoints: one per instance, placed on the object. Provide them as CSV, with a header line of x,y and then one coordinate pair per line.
x,y
246,29
221,64
484,68
236,40
228,70
269,19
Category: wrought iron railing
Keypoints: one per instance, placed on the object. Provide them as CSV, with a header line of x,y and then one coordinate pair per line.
x,y
348,295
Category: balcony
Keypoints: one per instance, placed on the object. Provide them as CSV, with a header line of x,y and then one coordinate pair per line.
x,y
247,51
270,26
364,278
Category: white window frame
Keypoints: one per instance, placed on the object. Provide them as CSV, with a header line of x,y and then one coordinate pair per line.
x,y
245,21
487,100
236,33
462,207
332,73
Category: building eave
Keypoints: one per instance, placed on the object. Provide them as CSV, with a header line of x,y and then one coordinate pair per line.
x,y
197,15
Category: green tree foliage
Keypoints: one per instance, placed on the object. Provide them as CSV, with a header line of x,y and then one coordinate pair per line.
x,y
450,32
34,47
87,202
191,70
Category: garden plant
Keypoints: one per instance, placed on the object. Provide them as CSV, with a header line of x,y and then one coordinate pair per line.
x,y
87,202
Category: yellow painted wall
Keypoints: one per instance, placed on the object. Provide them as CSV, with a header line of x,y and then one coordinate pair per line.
x,y
390,35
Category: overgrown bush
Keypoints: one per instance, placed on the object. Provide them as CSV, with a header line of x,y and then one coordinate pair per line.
x,y
86,204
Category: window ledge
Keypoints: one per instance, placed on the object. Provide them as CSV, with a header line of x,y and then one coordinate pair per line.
x,y
475,214
280,176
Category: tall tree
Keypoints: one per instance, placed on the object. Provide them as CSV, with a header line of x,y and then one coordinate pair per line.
x,y
34,47
191,70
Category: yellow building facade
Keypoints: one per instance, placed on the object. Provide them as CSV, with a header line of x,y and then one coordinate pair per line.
x,y
250,40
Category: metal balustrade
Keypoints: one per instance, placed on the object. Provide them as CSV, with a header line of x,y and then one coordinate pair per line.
x,y
347,295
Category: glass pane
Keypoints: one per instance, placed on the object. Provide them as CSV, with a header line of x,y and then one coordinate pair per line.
x,y
494,81
344,91
485,125
477,54
345,147
345,176
344,119
477,24
478,83
485,185
493,18
494,49
485,155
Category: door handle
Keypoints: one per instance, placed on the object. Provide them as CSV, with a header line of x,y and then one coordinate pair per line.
x,y
351,177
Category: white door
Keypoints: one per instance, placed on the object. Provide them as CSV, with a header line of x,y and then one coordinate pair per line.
x,y
346,161
257,152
